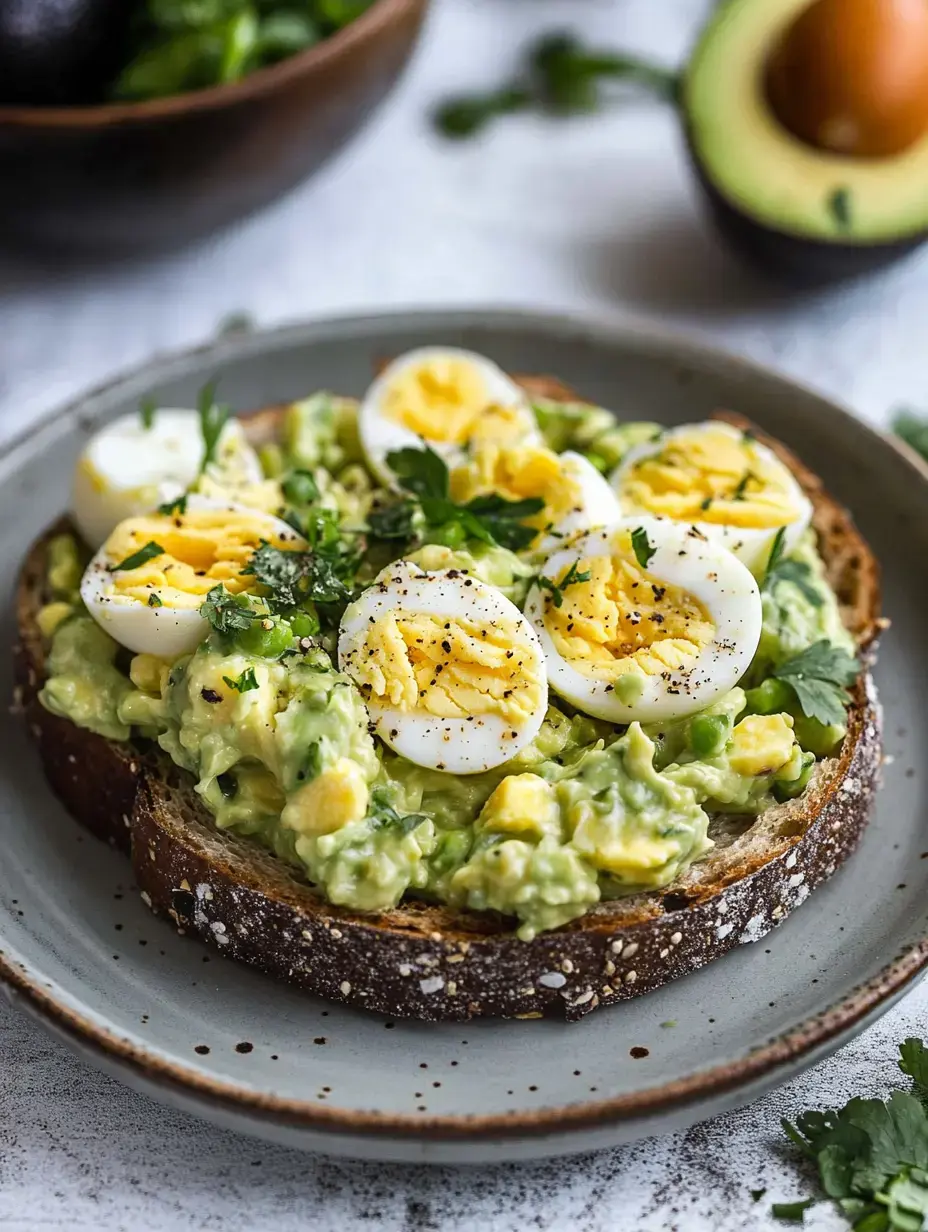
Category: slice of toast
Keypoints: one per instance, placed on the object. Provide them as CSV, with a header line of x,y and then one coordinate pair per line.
x,y
429,962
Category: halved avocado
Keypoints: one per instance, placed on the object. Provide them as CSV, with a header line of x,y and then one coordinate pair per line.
x,y
798,211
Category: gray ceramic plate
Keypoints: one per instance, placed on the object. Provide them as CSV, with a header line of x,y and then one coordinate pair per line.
x,y
80,952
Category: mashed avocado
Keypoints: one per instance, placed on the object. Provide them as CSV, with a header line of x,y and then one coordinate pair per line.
x,y
279,746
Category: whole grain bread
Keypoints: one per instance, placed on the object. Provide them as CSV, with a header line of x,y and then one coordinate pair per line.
x,y
426,961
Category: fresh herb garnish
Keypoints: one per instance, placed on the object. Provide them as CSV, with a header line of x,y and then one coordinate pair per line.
x,y
839,206
490,518
784,569
226,612
295,577
141,557
741,489
147,413
756,1194
300,487
393,521
642,547
572,576
213,417
819,677
912,428
382,814
154,600
176,506
245,683
871,1155
791,1212
559,75
312,764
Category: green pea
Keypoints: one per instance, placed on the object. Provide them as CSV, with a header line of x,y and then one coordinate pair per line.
x,y
771,697
267,643
709,734
795,787
304,624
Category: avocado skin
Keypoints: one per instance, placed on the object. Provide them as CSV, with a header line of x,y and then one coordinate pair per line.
x,y
793,259
60,52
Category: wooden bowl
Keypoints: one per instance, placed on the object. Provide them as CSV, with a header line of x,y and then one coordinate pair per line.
x,y
129,177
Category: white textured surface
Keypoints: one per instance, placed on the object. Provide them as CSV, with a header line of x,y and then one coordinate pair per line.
x,y
597,213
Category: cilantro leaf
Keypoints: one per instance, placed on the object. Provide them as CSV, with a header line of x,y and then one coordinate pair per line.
x,y
141,557
572,576
642,547
420,471
393,521
300,487
294,577
913,1060
178,505
503,518
147,413
226,612
819,677
382,814
245,683
213,417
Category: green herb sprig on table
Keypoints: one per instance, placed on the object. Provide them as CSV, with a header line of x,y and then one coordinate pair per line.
x,y
872,1154
559,75
490,519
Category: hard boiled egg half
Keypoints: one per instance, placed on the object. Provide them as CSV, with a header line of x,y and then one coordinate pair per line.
x,y
146,584
576,497
452,673
716,477
133,465
649,620
448,399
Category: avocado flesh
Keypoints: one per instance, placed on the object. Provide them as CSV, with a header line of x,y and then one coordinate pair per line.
x,y
762,170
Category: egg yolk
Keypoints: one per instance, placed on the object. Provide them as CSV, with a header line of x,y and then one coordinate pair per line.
x,y
199,549
711,475
447,401
450,667
518,473
622,620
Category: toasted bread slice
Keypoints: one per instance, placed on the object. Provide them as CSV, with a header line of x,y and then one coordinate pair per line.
x,y
429,962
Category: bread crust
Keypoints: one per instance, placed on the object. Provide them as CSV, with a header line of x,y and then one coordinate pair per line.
x,y
428,962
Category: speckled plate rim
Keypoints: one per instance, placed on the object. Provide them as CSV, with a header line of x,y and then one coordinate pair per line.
x,y
804,1042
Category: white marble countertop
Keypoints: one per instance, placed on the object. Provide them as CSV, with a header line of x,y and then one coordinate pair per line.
x,y
596,213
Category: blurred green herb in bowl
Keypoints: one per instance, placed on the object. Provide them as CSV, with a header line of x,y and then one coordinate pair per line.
x,y
182,45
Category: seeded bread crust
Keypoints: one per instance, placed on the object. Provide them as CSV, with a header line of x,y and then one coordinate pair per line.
x,y
429,962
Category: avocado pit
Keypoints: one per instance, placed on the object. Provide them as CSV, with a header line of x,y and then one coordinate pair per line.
x,y
850,77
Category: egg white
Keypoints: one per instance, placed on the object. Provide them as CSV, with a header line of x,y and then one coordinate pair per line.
x,y
596,504
457,746
752,545
381,435
126,469
704,569
163,631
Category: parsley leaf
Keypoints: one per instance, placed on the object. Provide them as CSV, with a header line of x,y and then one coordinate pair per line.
x,y
741,489
147,413
490,518
154,600
791,1212
177,505
213,418
557,588
913,1060
227,613
420,471
393,521
294,577
642,547
382,814
141,557
819,677
245,682
799,574
300,487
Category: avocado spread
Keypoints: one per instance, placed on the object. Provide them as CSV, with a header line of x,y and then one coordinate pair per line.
x,y
278,743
